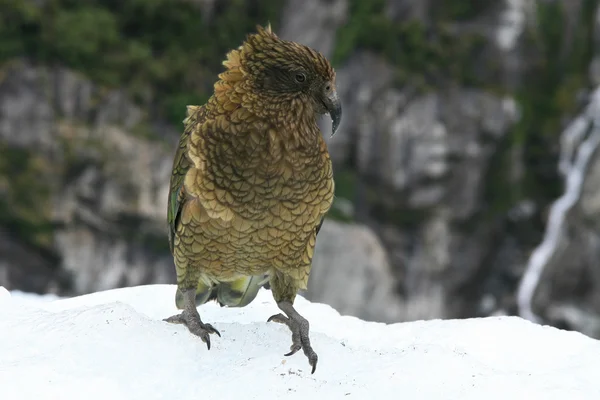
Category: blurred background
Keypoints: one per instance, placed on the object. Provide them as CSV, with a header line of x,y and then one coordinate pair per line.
x,y
467,175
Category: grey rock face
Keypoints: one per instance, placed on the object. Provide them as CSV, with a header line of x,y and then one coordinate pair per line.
x,y
351,273
108,187
423,158
28,269
101,261
323,16
562,279
431,152
561,284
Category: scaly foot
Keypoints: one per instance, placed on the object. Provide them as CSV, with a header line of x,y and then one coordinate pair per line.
x,y
299,327
191,318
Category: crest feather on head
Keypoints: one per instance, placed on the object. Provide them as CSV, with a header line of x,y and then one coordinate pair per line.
x,y
264,48
264,34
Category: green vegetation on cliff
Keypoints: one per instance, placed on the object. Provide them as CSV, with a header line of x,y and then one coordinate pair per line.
x,y
165,52
25,196
423,53
429,52
550,96
559,56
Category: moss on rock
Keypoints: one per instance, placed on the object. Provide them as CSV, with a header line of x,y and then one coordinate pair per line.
x,y
25,196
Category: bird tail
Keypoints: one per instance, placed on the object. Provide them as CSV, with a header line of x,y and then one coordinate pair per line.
x,y
238,293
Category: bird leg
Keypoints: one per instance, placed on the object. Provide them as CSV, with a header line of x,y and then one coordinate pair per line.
x,y
299,327
191,318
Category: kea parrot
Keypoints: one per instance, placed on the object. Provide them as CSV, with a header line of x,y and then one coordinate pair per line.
x,y
252,181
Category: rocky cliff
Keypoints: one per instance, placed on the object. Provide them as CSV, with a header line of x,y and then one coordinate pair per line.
x,y
447,160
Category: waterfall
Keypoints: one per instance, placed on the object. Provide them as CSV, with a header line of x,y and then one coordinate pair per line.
x,y
578,143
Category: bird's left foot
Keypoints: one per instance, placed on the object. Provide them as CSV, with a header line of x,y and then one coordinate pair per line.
x,y
299,327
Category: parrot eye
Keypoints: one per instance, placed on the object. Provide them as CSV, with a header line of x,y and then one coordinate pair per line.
x,y
300,77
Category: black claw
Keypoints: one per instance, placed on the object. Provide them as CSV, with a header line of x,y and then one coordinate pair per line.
x,y
211,329
195,326
175,319
299,327
293,349
312,360
279,318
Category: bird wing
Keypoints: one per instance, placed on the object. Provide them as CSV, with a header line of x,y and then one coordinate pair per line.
x,y
320,224
181,165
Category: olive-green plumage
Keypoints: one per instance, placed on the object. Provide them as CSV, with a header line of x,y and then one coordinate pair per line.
x,y
252,181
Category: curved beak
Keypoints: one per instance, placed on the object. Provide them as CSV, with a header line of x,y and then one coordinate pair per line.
x,y
334,107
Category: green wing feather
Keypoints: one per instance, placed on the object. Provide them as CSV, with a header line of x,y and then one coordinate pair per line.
x,y
181,165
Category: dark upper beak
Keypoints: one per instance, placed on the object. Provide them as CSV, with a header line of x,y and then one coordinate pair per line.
x,y
334,107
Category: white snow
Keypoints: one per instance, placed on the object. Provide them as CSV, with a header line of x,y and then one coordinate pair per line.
x,y
4,294
113,345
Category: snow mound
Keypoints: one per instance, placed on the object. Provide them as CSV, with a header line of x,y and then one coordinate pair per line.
x,y
4,294
114,345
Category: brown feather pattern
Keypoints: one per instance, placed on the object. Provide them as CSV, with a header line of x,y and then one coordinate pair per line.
x,y
252,174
